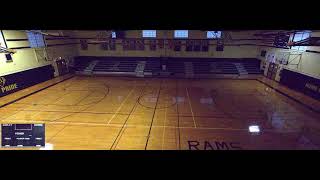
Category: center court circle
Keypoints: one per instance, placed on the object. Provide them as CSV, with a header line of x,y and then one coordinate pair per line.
x,y
164,101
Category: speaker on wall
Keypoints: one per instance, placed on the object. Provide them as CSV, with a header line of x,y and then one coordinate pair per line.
x,y
8,57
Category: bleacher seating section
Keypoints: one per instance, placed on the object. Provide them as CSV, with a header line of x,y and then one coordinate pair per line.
x,y
252,67
175,67
152,65
201,66
81,64
115,66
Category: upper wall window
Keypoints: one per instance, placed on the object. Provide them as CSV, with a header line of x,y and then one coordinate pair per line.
x,y
299,36
214,34
36,39
113,34
149,33
181,34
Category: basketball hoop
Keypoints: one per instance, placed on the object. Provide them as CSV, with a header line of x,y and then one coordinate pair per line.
x,y
7,50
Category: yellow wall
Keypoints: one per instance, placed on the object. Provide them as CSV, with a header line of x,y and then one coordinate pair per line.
x,y
309,62
28,58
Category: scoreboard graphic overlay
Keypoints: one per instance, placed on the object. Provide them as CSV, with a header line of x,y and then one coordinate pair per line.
x,y
22,135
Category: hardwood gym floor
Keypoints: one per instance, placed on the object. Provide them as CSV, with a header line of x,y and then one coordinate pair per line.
x,y
106,113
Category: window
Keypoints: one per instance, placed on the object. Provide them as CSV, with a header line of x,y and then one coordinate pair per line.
x,y
113,34
36,39
181,34
214,34
149,33
298,36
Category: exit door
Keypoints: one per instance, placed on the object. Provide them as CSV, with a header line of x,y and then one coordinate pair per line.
x,y
272,71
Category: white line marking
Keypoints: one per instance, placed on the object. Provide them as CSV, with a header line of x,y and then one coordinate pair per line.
x,y
194,121
48,146
146,126
119,108
164,124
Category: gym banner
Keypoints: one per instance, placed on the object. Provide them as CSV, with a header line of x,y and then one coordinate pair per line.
x,y
300,82
17,81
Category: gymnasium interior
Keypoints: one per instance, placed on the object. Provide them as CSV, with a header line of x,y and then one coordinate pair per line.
x,y
160,89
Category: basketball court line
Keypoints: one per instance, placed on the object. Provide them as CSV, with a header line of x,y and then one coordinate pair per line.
x,y
76,104
194,121
83,109
68,90
290,97
69,116
172,115
117,140
123,102
164,123
154,112
59,98
79,112
86,96
70,123
127,125
61,111
178,115
63,105
18,111
41,89
118,137
21,110
35,114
